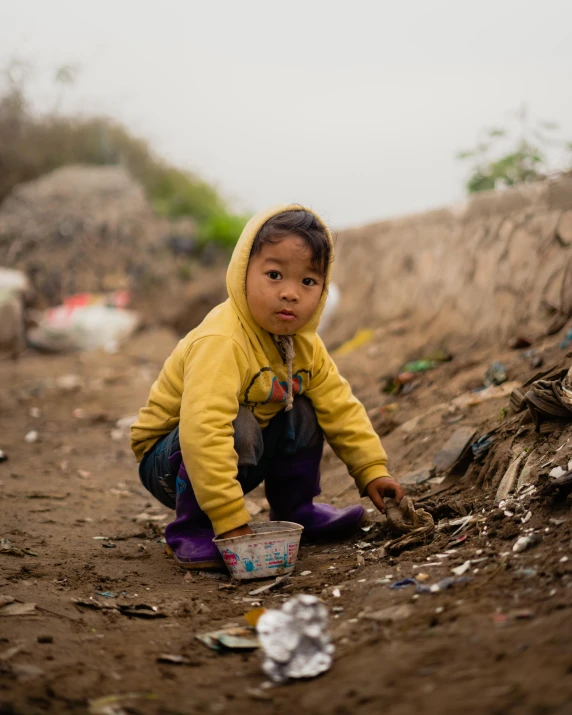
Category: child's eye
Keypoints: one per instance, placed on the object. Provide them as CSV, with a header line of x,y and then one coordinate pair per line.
x,y
309,282
274,275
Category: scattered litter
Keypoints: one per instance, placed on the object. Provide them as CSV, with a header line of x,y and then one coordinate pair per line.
x,y
362,337
494,392
278,581
31,437
550,398
110,594
557,472
145,516
7,547
16,608
69,383
111,704
508,481
173,659
482,446
73,326
294,639
305,573
136,610
251,617
454,449
7,655
463,568
336,593
3,456
567,340
232,638
441,585
390,615
495,375
526,542
417,526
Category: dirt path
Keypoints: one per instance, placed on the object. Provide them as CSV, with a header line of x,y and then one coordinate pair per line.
x,y
499,643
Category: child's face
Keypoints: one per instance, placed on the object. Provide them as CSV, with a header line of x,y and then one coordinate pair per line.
x,y
283,290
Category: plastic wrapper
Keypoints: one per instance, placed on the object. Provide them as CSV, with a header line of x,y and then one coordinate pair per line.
x,y
295,639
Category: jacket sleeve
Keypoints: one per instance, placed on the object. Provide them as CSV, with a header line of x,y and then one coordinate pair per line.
x,y
214,369
344,420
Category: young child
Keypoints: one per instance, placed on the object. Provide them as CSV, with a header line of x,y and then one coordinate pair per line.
x,y
249,395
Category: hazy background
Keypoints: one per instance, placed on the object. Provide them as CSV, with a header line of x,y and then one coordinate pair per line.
x,y
356,109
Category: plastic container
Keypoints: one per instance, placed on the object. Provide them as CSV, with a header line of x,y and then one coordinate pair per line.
x,y
271,551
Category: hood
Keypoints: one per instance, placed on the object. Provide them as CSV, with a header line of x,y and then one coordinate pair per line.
x,y
236,280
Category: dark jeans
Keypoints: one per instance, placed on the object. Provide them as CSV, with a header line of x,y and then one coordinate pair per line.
x,y
285,435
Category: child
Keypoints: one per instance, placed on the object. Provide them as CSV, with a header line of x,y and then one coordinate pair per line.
x,y
249,395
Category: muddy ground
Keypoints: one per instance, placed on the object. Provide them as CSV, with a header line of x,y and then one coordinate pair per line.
x,y
498,643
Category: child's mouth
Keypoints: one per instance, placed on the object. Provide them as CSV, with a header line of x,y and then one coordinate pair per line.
x,y
286,315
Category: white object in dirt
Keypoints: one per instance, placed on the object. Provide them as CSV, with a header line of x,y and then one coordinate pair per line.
x,y
463,568
508,481
31,437
557,472
526,542
295,639
331,307
270,551
85,327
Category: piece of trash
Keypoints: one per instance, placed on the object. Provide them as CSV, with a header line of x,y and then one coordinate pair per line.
x,y
3,456
526,542
16,608
31,437
365,528
109,545
233,638
278,581
7,547
295,639
507,483
76,326
456,447
557,472
495,375
153,518
550,398
417,526
136,610
482,446
251,617
7,655
111,704
463,568
173,659
362,337
567,340
391,614
305,573
494,392
336,593
441,585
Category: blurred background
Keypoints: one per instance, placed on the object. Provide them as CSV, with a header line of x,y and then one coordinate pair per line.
x,y
192,116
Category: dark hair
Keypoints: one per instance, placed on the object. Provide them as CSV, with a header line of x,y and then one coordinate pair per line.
x,y
301,223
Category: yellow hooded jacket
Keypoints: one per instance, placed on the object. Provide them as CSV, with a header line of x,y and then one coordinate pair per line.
x,y
229,360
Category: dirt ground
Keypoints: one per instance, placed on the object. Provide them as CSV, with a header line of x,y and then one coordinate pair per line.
x,y
498,643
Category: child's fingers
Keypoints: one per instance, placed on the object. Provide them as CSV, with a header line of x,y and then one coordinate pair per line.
x,y
377,500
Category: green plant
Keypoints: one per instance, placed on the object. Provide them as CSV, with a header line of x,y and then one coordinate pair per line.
x,y
508,156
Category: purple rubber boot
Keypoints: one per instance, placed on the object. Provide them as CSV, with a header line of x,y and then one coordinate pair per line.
x,y
189,537
293,483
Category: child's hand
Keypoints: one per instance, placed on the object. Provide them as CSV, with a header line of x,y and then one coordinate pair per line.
x,y
384,487
239,531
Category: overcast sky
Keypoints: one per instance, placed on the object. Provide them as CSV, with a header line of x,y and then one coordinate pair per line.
x,y
356,108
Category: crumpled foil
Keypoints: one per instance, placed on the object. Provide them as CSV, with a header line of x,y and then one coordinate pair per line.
x,y
294,640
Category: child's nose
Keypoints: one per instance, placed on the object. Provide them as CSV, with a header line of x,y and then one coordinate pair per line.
x,y
289,293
